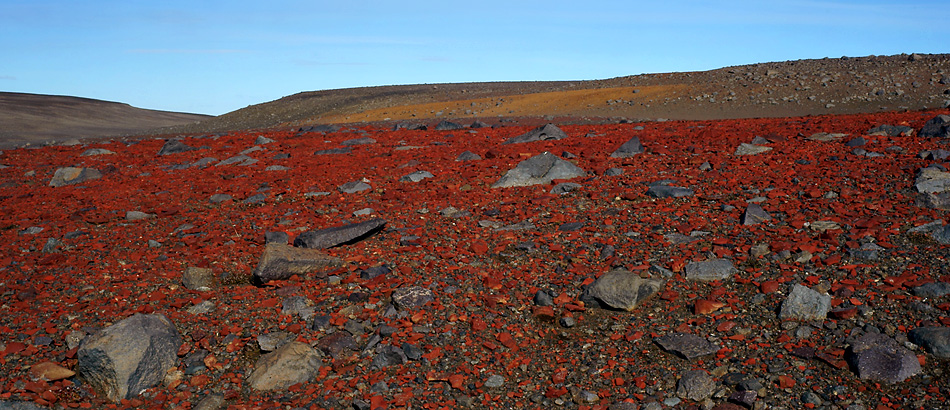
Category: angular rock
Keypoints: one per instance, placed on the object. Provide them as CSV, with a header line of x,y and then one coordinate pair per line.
x,y
542,133
934,339
539,169
448,126
358,141
749,149
564,188
240,160
297,305
262,140
218,198
212,401
827,137
197,278
292,363
938,127
686,345
49,371
710,270
344,150
468,156
281,261
479,124
354,187
932,290
276,237
412,297
96,151
696,385
933,188
892,130
856,142
130,356
388,355
416,176
754,214
339,235
269,342
628,149
880,358
71,176
805,304
663,189
622,289
137,215
174,147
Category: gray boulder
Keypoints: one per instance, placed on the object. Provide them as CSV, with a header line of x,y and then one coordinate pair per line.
x,y
749,149
416,176
938,126
933,188
805,304
281,261
448,126
292,363
892,130
622,289
880,358
663,189
358,141
539,169
696,385
934,339
542,133
130,356
468,156
754,214
932,290
686,345
240,160
71,176
174,147
339,235
628,149
199,279
710,270
354,187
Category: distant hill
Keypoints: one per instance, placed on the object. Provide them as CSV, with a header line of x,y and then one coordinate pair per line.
x,y
35,118
778,89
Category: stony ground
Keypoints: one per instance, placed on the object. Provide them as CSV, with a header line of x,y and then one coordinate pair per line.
x,y
776,264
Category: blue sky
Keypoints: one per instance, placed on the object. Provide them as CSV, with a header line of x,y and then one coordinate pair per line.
x,y
214,57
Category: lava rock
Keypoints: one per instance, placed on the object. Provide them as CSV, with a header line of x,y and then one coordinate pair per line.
x,y
542,133
543,298
339,235
174,147
628,149
96,151
754,214
565,188
132,355
292,363
240,160
71,176
938,127
622,289
686,345
281,261
539,169
880,358
710,270
934,339
856,142
805,304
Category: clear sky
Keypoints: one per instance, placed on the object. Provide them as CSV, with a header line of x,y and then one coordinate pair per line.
x,y
213,57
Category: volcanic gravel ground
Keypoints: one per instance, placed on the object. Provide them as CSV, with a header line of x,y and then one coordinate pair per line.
x,y
75,261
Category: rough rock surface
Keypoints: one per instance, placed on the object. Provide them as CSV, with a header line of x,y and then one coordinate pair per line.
x,y
938,127
686,345
749,149
539,169
880,358
710,270
412,297
131,355
292,363
542,133
936,339
281,261
71,176
196,278
696,385
622,289
933,188
416,176
754,214
805,304
175,147
339,235
628,149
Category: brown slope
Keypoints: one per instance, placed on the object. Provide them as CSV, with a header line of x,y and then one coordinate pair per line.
x,y
35,118
803,87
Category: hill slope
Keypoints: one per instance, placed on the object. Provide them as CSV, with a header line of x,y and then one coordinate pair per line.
x,y
32,118
805,87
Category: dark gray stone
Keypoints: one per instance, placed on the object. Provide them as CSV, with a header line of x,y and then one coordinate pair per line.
x,y
271,341
240,160
280,261
933,188
254,199
468,156
375,271
628,149
543,298
805,304
479,124
354,187
448,126
280,237
935,339
388,355
416,176
880,358
331,151
358,141
932,290
412,351
663,190
696,385
856,142
19,405
71,176
622,289
938,127
757,140
754,214
132,355
612,172
710,270
339,235
565,188
686,345
892,130
412,297
297,305
218,198
539,169
174,147
542,133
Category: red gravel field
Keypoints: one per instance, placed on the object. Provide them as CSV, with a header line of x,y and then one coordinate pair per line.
x,y
778,263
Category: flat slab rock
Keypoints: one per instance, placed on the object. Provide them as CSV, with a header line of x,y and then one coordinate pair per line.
x,y
542,133
71,176
622,289
750,149
339,235
281,261
686,345
628,149
130,356
710,270
880,358
292,363
539,169
935,339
